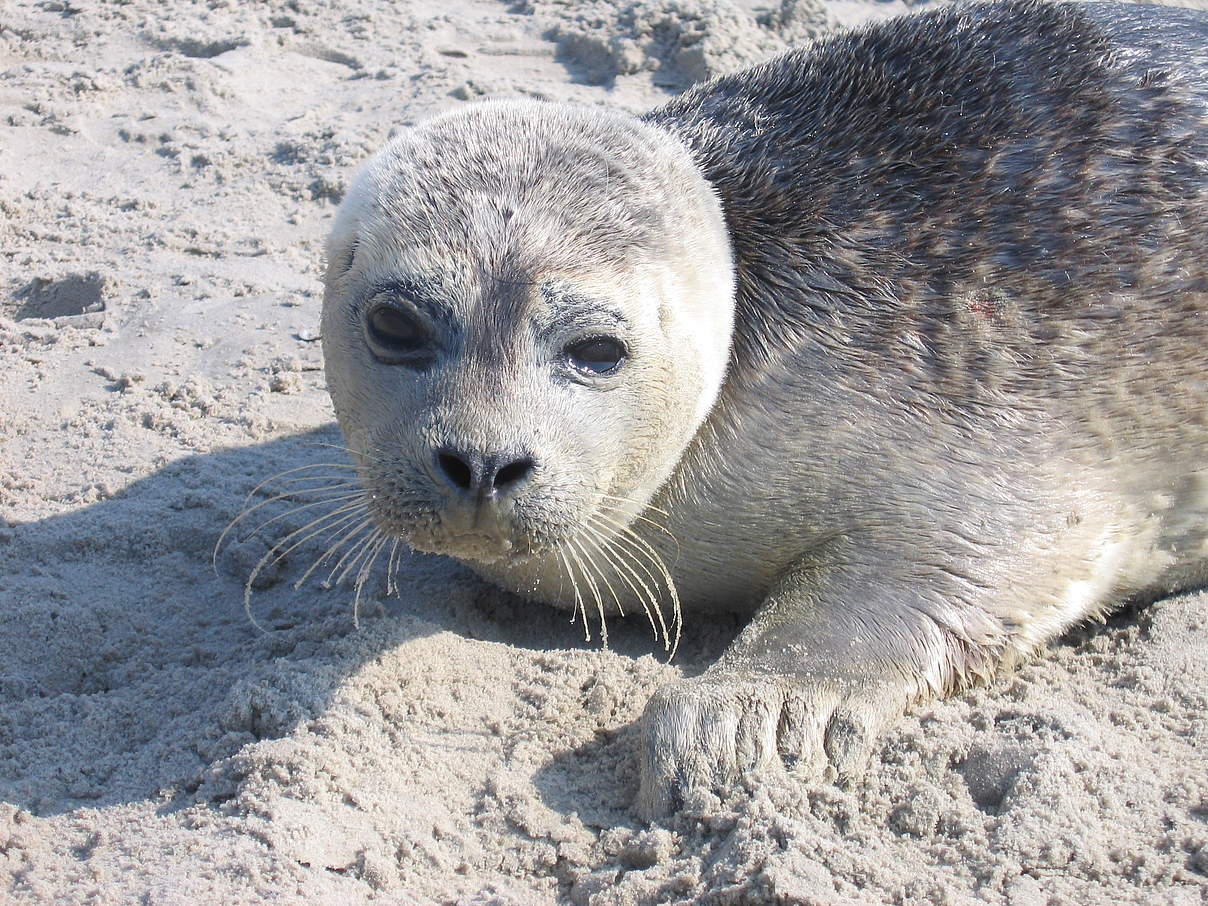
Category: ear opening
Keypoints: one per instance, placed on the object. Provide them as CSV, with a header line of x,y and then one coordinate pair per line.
x,y
341,253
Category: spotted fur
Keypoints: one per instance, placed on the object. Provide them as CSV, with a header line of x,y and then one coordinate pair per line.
x,y
917,362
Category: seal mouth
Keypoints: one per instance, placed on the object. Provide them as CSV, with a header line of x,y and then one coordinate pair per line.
x,y
471,545
467,535
478,546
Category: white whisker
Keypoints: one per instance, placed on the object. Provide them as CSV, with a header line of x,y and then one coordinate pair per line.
x,y
593,539
342,449
638,517
346,525
363,575
640,559
644,506
366,525
275,553
281,475
391,566
247,510
576,550
627,574
579,605
340,511
341,498
637,543
363,547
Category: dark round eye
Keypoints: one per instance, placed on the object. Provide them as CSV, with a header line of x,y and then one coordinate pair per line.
x,y
394,333
597,355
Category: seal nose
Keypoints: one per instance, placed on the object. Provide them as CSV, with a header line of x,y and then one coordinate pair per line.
x,y
483,476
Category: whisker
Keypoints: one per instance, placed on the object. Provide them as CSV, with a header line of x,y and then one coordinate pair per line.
x,y
636,541
574,584
677,619
363,545
391,565
330,485
651,522
246,510
280,475
600,574
343,449
340,511
363,575
627,574
343,526
644,506
595,591
290,512
367,523
639,559
275,553
300,478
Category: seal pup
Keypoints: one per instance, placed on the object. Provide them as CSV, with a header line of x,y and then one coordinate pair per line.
x,y
897,342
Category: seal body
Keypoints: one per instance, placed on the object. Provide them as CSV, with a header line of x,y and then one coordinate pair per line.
x,y
897,342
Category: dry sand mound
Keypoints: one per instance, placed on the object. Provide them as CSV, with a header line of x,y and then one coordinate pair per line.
x,y
167,171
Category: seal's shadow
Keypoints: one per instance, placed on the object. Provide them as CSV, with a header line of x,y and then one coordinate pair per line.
x,y
128,666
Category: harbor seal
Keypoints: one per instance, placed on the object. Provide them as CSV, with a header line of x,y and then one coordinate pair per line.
x,y
896,342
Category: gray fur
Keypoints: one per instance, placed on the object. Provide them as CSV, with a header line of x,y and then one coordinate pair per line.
x,y
964,258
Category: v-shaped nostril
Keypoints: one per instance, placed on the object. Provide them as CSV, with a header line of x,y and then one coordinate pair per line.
x,y
456,469
513,474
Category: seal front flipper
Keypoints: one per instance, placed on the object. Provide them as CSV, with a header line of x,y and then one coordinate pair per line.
x,y
813,680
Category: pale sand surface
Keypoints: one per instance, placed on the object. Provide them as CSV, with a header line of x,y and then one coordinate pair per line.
x,y
178,163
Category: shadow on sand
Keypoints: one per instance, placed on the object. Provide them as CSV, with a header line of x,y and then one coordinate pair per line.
x,y
128,666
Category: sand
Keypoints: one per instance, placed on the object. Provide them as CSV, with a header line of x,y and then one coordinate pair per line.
x,y
167,172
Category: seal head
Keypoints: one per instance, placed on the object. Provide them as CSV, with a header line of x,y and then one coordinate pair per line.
x,y
528,316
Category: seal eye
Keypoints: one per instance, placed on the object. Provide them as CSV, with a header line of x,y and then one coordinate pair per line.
x,y
596,355
395,334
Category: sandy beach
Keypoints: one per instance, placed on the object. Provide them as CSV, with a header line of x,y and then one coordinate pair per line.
x,y
168,171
